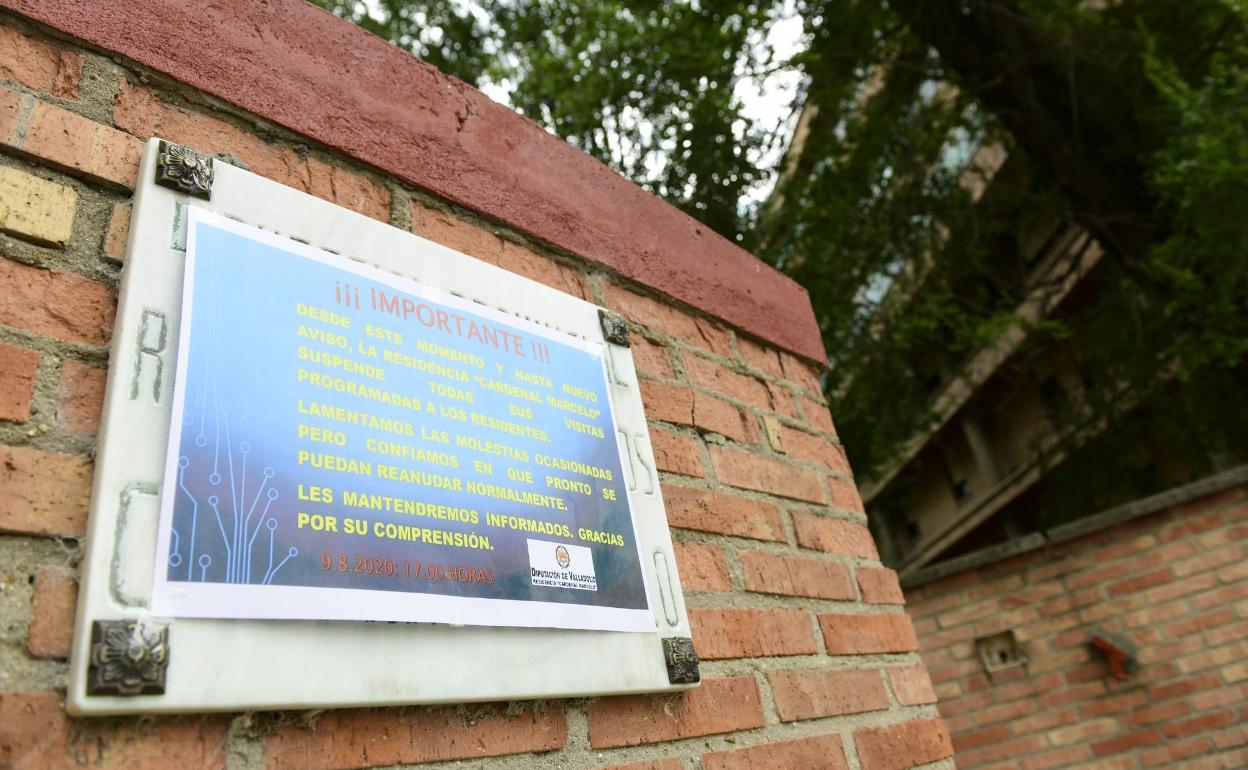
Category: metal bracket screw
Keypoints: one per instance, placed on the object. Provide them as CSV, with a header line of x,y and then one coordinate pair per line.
x,y
128,657
614,329
181,168
682,660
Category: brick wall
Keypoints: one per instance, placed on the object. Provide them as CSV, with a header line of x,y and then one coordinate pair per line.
x,y
1174,584
809,657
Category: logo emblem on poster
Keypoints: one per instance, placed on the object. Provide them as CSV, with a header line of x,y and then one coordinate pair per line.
x,y
550,566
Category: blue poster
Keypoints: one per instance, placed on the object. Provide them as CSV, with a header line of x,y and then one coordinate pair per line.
x,y
347,444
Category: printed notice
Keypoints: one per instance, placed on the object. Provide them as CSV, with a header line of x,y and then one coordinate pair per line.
x,y
347,444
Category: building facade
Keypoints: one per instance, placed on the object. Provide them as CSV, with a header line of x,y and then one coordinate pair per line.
x,y
1078,576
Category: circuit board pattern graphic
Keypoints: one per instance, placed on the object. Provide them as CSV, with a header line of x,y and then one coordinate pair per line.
x,y
239,511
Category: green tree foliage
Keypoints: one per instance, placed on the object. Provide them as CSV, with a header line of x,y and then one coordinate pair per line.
x,y
1127,118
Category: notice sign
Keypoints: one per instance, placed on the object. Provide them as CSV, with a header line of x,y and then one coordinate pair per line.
x,y
348,444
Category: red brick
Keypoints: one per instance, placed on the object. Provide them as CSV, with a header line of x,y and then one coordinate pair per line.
x,y
1045,721
880,586
781,397
1066,756
845,495
760,357
38,64
1084,731
1098,576
902,746
677,453
35,734
1218,656
1230,695
43,493
814,694
1153,616
1002,712
702,567
682,406
17,380
651,358
954,671
344,740
821,533
800,372
1199,622
1227,595
1177,751
1127,742
817,415
1152,653
118,233
911,685
81,398
820,752
801,445
725,514
55,303
1236,736
968,613
667,402
1115,704
1160,713
1141,582
749,633
454,233
1183,687
1201,724
1218,636
1207,560
717,706
1118,550
52,614
68,141
666,319
795,576
963,742
762,474
1195,517
745,388
523,261
1073,600
1015,748
448,230
348,190
865,634
140,112
1072,694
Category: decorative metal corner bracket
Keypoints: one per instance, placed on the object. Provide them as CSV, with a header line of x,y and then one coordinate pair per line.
x,y
614,329
682,660
180,168
128,657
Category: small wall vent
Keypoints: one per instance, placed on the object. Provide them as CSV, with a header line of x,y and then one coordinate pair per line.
x,y
1000,651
